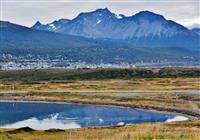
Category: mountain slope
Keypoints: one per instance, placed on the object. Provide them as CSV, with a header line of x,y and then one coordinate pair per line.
x,y
23,42
145,29
19,36
196,30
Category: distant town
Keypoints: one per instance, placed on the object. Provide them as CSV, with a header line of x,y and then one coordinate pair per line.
x,y
10,62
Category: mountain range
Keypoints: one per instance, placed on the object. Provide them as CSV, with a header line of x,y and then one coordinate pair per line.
x,y
146,29
103,37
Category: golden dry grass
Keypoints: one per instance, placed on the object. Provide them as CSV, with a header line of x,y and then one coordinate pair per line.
x,y
171,92
136,84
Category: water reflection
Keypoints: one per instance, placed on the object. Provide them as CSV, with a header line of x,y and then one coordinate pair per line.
x,y
48,115
44,124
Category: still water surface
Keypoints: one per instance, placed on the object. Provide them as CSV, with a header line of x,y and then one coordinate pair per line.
x,y
44,116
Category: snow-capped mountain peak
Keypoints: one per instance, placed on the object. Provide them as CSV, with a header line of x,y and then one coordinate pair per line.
x,y
103,10
102,23
99,13
148,15
51,26
37,25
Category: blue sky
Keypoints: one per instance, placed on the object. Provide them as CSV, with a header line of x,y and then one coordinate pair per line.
x,y
27,12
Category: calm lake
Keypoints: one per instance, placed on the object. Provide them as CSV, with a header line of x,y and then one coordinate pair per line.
x,y
44,116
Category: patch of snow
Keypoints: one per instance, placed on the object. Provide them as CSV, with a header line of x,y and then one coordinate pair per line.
x,y
98,21
52,26
119,16
177,118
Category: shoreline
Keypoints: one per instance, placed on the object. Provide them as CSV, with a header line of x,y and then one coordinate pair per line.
x,y
191,115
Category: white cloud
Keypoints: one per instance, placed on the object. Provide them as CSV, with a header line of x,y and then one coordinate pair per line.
x,y
28,12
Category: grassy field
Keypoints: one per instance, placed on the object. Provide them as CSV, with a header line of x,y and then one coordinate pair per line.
x,y
172,92
177,88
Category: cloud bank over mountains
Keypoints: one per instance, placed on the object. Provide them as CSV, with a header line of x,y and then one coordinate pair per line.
x,y
28,12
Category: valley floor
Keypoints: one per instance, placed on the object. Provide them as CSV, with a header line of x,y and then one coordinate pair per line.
x,y
178,95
